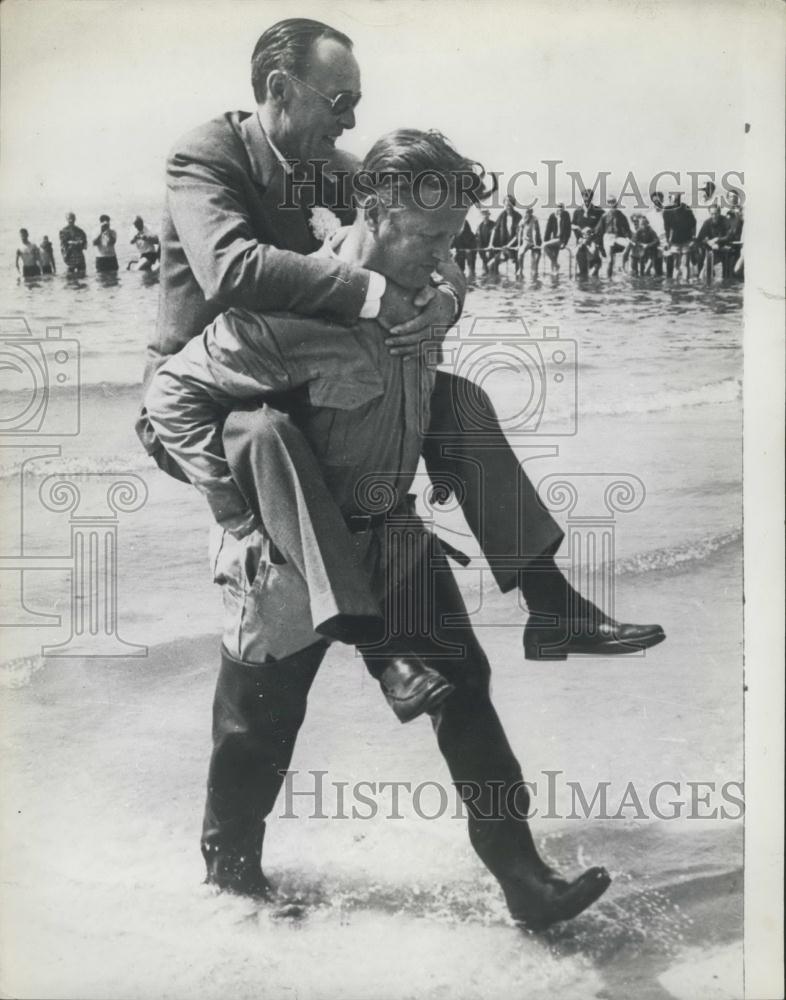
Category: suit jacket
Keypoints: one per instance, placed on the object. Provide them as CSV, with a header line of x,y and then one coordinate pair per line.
x,y
229,238
235,235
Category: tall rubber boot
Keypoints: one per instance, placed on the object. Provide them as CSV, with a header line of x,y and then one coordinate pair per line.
x,y
258,709
490,782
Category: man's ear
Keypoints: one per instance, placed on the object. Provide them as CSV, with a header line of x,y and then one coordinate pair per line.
x,y
277,85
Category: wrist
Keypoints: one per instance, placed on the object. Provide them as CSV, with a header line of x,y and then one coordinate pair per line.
x,y
448,289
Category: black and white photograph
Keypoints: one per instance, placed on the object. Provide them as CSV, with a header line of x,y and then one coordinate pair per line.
x,y
391,493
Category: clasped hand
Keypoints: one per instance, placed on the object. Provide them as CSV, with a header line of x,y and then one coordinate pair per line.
x,y
410,318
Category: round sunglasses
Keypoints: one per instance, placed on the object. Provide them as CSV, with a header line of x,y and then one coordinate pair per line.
x,y
343,102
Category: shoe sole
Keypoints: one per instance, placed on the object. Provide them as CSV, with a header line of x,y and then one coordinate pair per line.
x,y
535,649
407,712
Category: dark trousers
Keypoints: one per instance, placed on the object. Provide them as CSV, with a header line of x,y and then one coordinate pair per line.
x,y
466,450
259,708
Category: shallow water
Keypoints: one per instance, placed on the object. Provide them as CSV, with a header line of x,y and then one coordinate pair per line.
x,y
108,755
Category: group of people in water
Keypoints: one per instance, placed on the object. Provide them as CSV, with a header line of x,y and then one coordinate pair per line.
x,y
667,237
34,260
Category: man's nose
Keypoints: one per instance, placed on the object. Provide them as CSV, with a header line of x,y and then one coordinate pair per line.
x,y
347,118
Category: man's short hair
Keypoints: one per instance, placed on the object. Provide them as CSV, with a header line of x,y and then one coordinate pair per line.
x,y
286,46
103,218
408,162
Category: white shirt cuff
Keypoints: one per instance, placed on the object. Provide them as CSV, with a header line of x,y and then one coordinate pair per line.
x,y
376,289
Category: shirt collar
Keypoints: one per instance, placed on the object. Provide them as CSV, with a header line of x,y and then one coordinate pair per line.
x,y
276,151
264,158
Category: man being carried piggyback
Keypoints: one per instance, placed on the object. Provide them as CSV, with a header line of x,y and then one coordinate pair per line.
x,y
363,413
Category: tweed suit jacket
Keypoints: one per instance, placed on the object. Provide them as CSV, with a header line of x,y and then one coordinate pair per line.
x,y
235,235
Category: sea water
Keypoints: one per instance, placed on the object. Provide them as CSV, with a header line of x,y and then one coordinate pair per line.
x,y
105,758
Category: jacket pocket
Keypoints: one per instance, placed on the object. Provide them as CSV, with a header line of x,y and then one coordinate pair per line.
x,y
237,562
342,406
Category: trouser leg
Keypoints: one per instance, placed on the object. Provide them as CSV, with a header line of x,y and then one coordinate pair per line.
x,y
277,472
471,738
257,712
466,444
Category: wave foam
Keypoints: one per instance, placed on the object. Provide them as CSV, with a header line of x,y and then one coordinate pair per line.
x,y
679,557
63,465
728,390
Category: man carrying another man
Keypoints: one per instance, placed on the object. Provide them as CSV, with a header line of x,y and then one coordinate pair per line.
x,y
235,228
239,220
362,412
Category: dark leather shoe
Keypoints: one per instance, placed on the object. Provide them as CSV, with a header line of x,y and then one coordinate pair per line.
x,y
588,637
412,688
536,904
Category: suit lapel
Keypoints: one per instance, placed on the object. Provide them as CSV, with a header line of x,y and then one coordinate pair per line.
x,y
284,219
